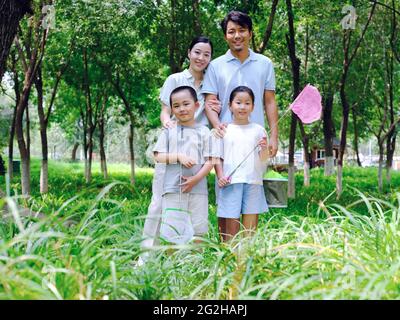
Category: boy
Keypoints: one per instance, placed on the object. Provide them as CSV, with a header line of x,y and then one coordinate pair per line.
x,y
189,154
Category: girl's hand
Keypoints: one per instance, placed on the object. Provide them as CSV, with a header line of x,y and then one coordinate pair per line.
x,y
223,181
186,161
189,183
262,143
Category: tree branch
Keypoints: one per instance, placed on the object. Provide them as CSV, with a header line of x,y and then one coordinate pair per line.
x,y
268,30
363,33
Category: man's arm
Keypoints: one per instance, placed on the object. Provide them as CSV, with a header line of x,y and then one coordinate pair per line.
x,y
211,114
271,111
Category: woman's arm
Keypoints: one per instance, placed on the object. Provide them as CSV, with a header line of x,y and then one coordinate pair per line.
x,y
165,117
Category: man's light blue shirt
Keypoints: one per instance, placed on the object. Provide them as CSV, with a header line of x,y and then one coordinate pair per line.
x,y
227,72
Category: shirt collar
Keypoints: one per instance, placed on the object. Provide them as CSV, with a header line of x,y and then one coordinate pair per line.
x,y
190,77
229,56
187,74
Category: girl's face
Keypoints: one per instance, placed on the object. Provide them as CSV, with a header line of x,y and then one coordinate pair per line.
x,y
200,56
241,106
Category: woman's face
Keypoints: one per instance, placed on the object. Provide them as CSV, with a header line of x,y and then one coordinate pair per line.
x,y
200,56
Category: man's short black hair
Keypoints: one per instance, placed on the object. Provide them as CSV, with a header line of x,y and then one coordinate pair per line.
x,y
238,17
182,88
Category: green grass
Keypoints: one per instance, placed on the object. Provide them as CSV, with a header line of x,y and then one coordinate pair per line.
x,y
338,249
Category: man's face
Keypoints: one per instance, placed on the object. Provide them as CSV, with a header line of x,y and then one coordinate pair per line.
x,y
237,37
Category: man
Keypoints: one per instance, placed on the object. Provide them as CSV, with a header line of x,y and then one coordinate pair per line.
x,y
240,66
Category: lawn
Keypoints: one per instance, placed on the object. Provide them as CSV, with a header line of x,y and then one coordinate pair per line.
x,y
86,245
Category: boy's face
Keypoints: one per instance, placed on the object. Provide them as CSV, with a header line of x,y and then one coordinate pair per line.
x,y
237,37
183,106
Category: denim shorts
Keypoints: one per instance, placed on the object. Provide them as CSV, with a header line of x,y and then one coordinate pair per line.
x,y
241,198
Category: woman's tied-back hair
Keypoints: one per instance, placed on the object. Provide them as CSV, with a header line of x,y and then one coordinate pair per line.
x,y
238,17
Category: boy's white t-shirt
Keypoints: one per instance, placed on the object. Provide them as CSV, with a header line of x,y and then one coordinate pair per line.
x,y
238,141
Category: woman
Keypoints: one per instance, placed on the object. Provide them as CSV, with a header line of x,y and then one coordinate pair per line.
x,y
199,54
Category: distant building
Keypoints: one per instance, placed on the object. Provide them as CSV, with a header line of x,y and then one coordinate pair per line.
x,y
318,153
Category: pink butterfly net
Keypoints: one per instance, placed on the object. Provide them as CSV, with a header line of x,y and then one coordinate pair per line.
x,y
307,106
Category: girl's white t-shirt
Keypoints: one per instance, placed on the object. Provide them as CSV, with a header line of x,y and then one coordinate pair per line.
x,y
238,141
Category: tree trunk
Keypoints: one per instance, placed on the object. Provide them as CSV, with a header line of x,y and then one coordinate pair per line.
x,y
89,119
74,150
339,180
17,91
343,136
103,160
84,141
292,171
128,109
11,12
44,171
390,148
11,144
380,168
307,156
173,48
90,155
345,114
23,150
295,62
328,134
391,137
196,16
28,130
132,149
355,142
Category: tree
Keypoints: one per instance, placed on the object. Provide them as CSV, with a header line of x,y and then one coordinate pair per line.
x,y
11,12
349,56
31,51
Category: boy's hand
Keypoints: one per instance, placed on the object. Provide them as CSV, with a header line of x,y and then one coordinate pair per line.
x,y
186,161
223,181
189,183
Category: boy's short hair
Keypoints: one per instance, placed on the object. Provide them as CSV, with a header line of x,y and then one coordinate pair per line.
x,y
182,88
238,17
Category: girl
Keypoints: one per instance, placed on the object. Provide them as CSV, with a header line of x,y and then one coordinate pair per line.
x,y
199,54
241,183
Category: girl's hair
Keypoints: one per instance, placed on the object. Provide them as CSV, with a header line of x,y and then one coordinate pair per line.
x,y
202,39
241,89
